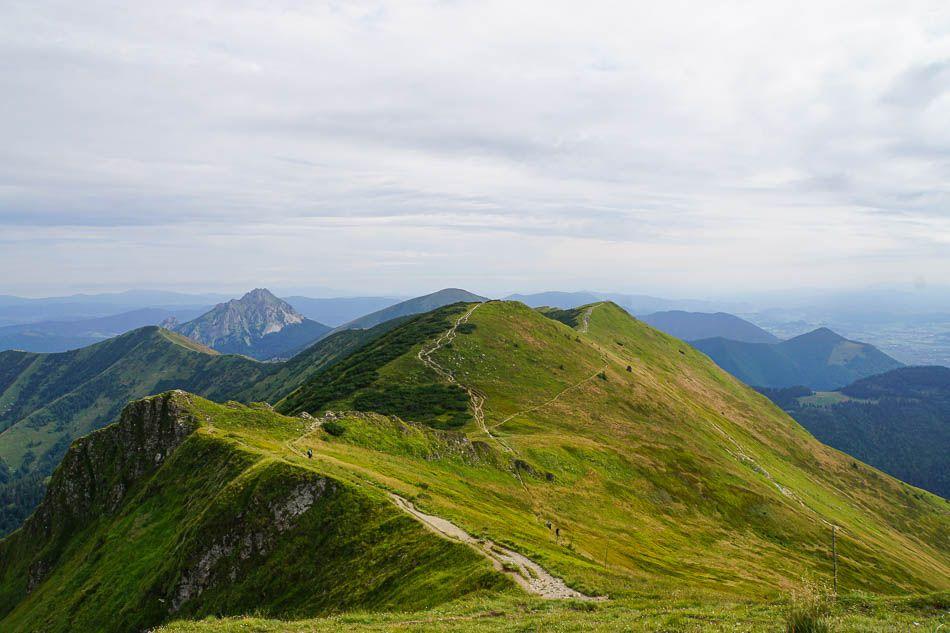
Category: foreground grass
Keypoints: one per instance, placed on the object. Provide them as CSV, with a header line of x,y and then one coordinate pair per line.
x,y
511,613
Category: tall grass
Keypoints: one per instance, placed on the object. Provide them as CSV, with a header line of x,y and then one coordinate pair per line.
x,y
808,609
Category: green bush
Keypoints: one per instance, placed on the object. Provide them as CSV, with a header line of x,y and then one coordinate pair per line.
x,y
334,428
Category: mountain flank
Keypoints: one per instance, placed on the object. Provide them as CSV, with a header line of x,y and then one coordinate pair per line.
x,y
820,359
258,325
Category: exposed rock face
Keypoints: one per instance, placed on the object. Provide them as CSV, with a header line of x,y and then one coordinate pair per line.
x,y
222,561
99,469
244,320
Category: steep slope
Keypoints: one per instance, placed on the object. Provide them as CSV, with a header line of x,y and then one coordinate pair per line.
x,y
819,359
47,400
692,326
656,468
898,421
61,336
258,325
185,508
418,305
336,311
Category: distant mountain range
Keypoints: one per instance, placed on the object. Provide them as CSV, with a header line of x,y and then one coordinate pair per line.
x,y
61,336
258,325
336,311
632,303
417,305
20,310
692,326
898,421
820,359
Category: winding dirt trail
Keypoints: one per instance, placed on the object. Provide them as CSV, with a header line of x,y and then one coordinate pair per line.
x,y
476,398
529,575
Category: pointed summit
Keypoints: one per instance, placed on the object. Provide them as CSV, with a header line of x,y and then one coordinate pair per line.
x,y
258,324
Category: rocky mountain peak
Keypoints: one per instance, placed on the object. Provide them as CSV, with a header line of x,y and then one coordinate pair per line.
x,y
256,314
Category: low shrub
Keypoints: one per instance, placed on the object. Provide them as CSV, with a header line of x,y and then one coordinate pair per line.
x,y
334,428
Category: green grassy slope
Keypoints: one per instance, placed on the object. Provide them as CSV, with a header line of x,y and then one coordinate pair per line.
x,y
673,472
47,400
185,508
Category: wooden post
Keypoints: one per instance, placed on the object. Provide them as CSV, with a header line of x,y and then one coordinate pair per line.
x,y
834,553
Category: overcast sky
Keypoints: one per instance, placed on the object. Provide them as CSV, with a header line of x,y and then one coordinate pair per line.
x,y
671,147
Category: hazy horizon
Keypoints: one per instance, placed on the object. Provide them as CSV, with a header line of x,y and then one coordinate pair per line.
x,y
382,148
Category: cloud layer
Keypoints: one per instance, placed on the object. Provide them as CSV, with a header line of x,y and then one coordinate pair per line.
x,y
404,146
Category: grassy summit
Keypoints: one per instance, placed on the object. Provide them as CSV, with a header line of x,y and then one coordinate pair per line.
x,y
615,457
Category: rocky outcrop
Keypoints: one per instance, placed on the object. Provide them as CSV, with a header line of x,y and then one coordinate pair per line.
x,y
222,561
98,469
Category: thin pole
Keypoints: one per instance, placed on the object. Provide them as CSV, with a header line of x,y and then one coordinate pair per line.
x,y
834,553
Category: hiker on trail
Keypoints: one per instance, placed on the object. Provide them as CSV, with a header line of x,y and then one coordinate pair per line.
x,y
309,453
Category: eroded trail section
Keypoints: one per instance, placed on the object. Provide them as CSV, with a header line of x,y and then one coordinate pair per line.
x,y
585,321
529,575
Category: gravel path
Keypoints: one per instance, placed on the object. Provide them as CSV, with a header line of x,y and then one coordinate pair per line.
x,y
529,575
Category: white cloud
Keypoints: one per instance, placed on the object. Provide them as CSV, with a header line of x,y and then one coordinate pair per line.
x,y
402,146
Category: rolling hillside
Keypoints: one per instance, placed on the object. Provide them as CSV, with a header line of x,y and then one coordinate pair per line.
x,y
48,400
692,326
819,359
898,421
588,450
